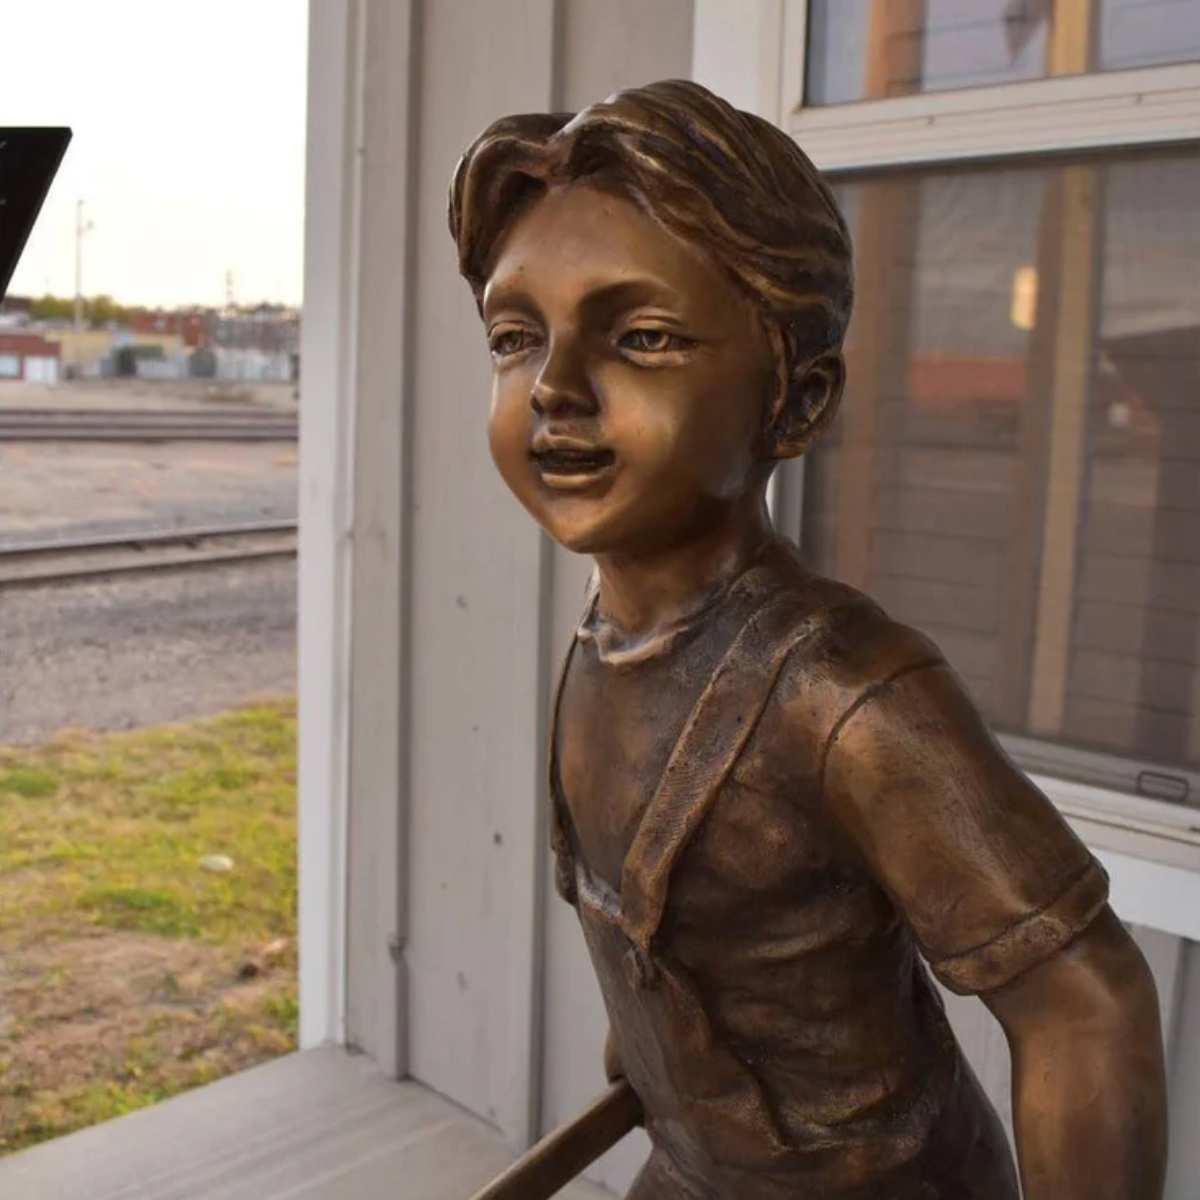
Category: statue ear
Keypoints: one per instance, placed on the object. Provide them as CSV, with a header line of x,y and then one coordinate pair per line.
x,y
813,395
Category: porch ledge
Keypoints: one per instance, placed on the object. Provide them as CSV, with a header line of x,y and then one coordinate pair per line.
x,y
321,1125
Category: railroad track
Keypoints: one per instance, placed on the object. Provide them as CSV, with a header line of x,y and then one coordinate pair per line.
x,y
85,560
134,425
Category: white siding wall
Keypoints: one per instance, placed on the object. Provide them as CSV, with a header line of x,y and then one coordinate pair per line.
x,y
1183,1178
476,615
460,606
463,968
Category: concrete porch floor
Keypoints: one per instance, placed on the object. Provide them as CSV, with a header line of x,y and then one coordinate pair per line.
x,y
321,1125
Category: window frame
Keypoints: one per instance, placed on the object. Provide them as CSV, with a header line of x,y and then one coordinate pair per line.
x,y
1014,123
1116,110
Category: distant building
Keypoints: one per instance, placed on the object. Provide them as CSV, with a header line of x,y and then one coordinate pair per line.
x,y
272,329
192,328
16,306
28,357
254,346
90,352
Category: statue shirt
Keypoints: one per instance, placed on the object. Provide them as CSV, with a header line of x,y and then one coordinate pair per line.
x,y
766,827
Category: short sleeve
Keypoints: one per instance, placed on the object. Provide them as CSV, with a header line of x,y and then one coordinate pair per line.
x,y
989,877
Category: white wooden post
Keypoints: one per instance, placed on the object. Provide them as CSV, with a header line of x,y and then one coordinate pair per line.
x,y
326,472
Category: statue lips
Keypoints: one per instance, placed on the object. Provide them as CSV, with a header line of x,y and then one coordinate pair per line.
x,y
571,464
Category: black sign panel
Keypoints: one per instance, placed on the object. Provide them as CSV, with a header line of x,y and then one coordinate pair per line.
x,y
29,159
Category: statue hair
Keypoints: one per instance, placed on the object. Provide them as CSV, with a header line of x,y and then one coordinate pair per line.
x,y
723,180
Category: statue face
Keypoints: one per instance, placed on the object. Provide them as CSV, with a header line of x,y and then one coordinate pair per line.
x,y
631,377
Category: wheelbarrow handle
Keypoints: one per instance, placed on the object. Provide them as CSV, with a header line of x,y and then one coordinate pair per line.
x,y
559,1157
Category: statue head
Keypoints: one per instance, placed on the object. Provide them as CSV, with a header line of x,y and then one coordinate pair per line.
x,y
666,284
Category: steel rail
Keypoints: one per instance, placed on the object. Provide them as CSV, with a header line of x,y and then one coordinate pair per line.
x,y
36,564
132,425
213,413
181,433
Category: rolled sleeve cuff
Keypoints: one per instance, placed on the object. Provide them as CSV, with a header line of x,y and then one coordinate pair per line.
x,y
1030,941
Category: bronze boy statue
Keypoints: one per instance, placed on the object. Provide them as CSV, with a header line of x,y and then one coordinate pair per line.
x,y
771,802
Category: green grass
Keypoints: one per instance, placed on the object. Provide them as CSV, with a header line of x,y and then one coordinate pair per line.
x,y
30,783
133,972
110,831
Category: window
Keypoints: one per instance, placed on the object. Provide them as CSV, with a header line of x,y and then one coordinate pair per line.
x,y
875,49
1017,466
1016,469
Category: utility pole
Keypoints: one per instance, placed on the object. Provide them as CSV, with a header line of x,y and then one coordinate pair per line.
x,y
81,227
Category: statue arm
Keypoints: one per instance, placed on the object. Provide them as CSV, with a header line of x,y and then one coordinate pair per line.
x,y
1088,1080
1007,904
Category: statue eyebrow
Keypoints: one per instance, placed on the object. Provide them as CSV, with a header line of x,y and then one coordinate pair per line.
x,y
609,298
603,300
508,295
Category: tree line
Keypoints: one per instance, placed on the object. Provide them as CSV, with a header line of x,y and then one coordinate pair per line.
x,y
98,311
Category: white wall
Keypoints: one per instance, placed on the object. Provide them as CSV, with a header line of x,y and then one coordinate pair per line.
x,y
459,604
433,613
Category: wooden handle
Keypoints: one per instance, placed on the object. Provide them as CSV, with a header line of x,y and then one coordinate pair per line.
x,y
562,1155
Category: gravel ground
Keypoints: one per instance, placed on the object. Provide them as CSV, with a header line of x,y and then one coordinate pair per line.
x,y
71,489
144,650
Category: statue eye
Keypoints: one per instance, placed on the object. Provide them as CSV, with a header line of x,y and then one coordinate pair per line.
x,y
506,342
652,341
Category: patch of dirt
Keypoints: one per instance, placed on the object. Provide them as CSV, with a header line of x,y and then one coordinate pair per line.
x,y
121,1019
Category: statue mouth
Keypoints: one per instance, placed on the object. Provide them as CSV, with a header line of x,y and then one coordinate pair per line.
x,y
571,464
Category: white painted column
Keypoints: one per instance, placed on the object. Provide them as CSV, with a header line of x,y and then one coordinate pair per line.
x,y
327,395
474,611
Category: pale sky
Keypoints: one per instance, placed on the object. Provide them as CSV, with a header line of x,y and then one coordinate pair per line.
x,y
188,144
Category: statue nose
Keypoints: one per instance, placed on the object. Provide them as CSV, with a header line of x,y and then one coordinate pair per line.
x,y
548,400
562,385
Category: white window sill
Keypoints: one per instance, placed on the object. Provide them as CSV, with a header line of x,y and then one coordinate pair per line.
x,y
321,1125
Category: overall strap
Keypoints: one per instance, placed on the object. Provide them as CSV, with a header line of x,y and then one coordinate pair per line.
x,y
560,840
708,748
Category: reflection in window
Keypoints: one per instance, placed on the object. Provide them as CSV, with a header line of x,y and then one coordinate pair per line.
x,y
1147,33
876,49
1016,468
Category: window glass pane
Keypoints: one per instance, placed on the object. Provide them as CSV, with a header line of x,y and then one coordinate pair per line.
x,y
875,49
1147,33
1016,467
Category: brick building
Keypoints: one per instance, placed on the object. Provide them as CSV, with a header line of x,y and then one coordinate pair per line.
x,y
28,357
194,328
